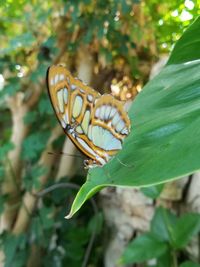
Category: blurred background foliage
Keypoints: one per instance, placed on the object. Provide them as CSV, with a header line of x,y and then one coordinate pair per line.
x,y
112,44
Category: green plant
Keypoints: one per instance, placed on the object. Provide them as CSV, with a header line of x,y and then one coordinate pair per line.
x,y
164,141
168,236
57,242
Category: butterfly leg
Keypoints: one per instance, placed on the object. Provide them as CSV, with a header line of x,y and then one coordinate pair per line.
x,y
90,163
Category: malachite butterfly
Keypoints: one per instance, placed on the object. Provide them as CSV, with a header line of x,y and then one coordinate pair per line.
x,y
97,124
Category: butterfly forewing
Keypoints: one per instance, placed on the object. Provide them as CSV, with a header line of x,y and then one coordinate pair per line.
x,y
73,103
96,124
59,92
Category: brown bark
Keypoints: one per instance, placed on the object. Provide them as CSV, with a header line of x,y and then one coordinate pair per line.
x,y
35,259
11,184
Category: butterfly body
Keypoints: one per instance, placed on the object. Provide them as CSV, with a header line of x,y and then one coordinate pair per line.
x,y
96,124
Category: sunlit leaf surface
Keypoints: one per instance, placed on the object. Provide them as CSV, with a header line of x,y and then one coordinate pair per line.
x,y
164,142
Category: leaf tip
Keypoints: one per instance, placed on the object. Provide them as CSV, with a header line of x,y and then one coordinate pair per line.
x,y
68,216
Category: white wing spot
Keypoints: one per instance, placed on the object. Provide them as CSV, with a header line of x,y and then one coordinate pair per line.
x,y
73,86
125,131
56,78
65,118
102,112
78,102
60,100
90,98
85,122
63,124
65,94
79,129
52,82
112,112
97,112
120,125
107,112
90,132
104,139
62,77
116,119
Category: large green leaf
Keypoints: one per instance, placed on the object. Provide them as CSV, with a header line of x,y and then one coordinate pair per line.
x,y
164,141
187,48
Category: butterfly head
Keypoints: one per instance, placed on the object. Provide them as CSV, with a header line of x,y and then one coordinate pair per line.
x,y
90,164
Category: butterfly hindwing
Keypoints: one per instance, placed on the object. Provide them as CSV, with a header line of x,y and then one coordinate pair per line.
x,y
110,124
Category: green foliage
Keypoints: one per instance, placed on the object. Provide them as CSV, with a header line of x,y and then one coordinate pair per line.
x,y
159,136
30,117
186,49
45,107
168,235
33,35
143,248
161,223
34,144
32,177
186,227
170,18
152,191
11,88
20,41
5,149
11,246
189,264
63,241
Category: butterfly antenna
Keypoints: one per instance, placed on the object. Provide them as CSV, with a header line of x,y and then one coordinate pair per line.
x,y
124,164
65,154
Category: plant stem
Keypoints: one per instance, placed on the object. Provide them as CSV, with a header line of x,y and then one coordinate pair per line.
x,y
174,257
198,248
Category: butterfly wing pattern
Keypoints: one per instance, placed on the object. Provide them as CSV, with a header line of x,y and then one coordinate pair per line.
x,y
97,124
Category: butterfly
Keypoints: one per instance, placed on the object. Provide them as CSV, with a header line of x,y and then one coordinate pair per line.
x,y
97,124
